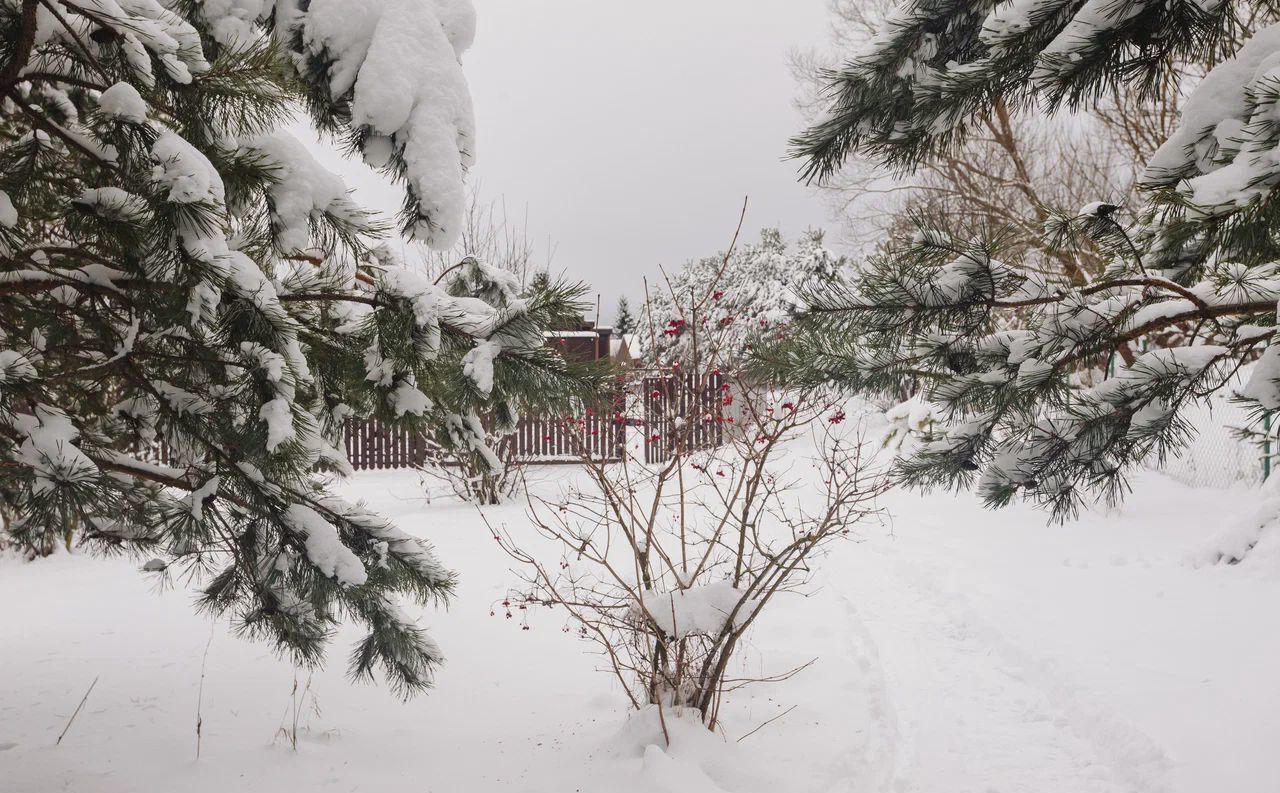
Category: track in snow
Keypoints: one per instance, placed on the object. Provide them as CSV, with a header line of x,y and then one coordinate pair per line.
x,y
960,710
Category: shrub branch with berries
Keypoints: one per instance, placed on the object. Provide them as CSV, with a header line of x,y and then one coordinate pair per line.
x,y
713,309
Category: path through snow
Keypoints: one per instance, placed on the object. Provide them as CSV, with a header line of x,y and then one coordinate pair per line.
x,y
964,713
1015,656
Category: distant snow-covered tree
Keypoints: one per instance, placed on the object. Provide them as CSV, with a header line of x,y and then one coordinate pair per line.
x,y
744,294
176,269
1201,254
624,322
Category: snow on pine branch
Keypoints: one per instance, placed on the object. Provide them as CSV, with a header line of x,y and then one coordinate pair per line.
x,y
324,548
393,67
389,72
49,449
1223,154
1020,403
143,26
301,191
917,88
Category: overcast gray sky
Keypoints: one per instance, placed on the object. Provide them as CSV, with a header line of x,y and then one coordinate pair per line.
x,y
632,131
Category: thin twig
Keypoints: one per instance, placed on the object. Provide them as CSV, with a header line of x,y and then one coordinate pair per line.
x,y
766,724
200,692
77,712
724,265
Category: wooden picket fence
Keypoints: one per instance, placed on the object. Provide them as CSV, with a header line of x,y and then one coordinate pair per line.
x,y
598,434
372,444
682,412
678,412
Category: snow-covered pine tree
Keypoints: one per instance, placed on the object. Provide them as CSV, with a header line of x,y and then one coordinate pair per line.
x,y
175,268
624,322
1201,256
713,309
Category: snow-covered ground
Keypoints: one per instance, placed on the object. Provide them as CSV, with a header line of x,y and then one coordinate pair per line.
x,y
956,650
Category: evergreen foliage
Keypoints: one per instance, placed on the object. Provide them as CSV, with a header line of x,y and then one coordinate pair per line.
x,y
178,274
1012,359
624,322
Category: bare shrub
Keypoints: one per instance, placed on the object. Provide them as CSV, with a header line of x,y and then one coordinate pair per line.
x,y
476,477
666,565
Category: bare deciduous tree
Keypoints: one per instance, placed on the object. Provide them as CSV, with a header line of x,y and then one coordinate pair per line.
x,y
491,235
1012,173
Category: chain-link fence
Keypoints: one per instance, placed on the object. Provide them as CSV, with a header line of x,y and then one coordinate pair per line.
x,y
1217,456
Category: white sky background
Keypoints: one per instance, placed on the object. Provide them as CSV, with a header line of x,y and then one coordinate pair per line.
x,y
631,131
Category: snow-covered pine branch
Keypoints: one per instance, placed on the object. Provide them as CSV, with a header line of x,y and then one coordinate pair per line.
x,y
1014,363
176,269
1016,417
936,65
387,76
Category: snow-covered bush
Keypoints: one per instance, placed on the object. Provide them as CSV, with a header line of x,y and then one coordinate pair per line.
x,y
712,309
176,269
477,478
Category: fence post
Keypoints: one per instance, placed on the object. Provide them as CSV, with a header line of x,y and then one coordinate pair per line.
x,y
1266,447
1266,441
